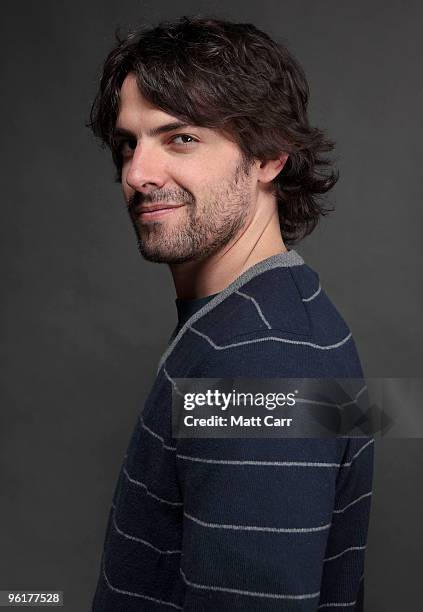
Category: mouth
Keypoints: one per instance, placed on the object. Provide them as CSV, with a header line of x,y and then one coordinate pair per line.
x,y
144,213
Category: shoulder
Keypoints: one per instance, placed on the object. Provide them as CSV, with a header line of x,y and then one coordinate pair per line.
x,y
280,323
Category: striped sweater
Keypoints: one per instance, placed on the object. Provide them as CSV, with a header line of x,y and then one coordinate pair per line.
x,y
243,524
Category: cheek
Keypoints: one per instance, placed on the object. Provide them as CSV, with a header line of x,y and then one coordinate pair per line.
x,y
202,177
186,178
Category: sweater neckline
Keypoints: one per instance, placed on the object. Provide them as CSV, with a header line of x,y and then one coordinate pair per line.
x,y
280,260
185,307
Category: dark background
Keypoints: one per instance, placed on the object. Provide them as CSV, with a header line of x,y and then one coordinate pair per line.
x,y
85,319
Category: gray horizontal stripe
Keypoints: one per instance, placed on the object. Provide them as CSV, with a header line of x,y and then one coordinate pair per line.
x,y
141,541
209,587
340,605
138,483
337,605
140,595
264,463
343,552
355,399
271,338
352,503
257,528
153,433
349,463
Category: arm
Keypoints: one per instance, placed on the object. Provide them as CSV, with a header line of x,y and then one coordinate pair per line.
x,y
343,567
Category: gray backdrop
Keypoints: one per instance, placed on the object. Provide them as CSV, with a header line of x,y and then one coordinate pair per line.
x,y
85,319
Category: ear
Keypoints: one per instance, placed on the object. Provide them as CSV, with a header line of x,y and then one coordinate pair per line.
x,y
270,168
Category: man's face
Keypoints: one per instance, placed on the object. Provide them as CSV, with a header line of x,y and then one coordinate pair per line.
x,y
198,173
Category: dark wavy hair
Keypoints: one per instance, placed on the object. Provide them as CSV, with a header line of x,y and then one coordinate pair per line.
x,y
233,77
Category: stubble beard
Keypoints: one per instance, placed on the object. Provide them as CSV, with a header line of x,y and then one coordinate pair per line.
x,y
201,232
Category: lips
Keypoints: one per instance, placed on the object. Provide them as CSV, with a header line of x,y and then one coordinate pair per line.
x,y
154,207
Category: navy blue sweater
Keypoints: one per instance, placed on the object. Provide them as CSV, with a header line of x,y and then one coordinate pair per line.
x,y
243,524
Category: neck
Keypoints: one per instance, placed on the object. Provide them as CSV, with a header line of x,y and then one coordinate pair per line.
x,y
258,240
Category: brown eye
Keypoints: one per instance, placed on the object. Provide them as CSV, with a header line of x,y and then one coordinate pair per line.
x,y
186,139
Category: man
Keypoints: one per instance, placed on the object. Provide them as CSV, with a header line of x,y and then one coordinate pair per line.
x,y
219,166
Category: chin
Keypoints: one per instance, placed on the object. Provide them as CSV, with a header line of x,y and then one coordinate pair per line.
x,y
160,256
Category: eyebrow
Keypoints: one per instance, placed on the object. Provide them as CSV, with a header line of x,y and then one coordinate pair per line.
x,y
161,129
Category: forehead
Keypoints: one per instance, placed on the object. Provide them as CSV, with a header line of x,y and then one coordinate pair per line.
x,y
133,106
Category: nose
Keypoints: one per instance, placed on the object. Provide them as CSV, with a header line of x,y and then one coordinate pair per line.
x,y
146,171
